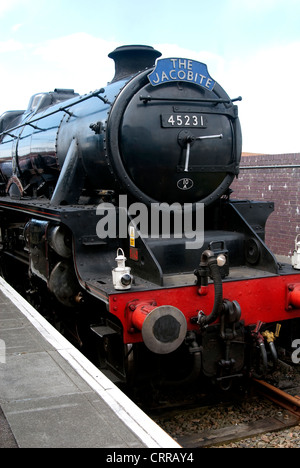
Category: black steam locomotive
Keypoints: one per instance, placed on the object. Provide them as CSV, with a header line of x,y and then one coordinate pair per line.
x,y
116,207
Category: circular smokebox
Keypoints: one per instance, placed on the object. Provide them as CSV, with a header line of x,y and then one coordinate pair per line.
x,y
164,329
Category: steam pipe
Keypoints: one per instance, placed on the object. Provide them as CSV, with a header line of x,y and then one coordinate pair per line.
x,y
210,260
273,353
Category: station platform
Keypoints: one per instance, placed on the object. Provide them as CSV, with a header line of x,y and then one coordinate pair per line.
x,y
51,396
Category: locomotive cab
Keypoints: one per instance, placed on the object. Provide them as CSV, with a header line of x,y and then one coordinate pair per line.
x,y
41,101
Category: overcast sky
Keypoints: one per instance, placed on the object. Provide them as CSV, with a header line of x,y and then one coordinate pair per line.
x,y
251,47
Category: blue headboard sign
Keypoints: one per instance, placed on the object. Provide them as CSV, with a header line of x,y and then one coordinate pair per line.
x,y
180,69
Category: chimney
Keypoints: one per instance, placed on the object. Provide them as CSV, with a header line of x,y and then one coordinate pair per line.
x,y
131,59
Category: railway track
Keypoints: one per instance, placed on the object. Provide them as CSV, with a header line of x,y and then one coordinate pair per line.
x,y
283,399
280,421
266,409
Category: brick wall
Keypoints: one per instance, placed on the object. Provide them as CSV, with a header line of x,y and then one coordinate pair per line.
x,y
262,178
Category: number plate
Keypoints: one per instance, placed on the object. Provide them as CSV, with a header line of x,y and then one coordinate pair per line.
x,y
183,120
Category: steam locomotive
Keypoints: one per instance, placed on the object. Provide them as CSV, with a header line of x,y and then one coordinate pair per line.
x,y
116,206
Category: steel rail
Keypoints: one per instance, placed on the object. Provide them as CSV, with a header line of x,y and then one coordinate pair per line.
x,y
289,402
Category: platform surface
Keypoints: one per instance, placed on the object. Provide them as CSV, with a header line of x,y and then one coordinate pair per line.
x,y
51,396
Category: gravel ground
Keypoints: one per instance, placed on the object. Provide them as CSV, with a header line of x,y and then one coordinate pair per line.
x,y
243,410
289,438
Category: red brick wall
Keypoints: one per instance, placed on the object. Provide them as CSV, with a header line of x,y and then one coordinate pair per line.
x,y
278,184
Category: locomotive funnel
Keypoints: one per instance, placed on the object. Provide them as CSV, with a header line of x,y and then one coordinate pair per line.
x,y
163,328
132,59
